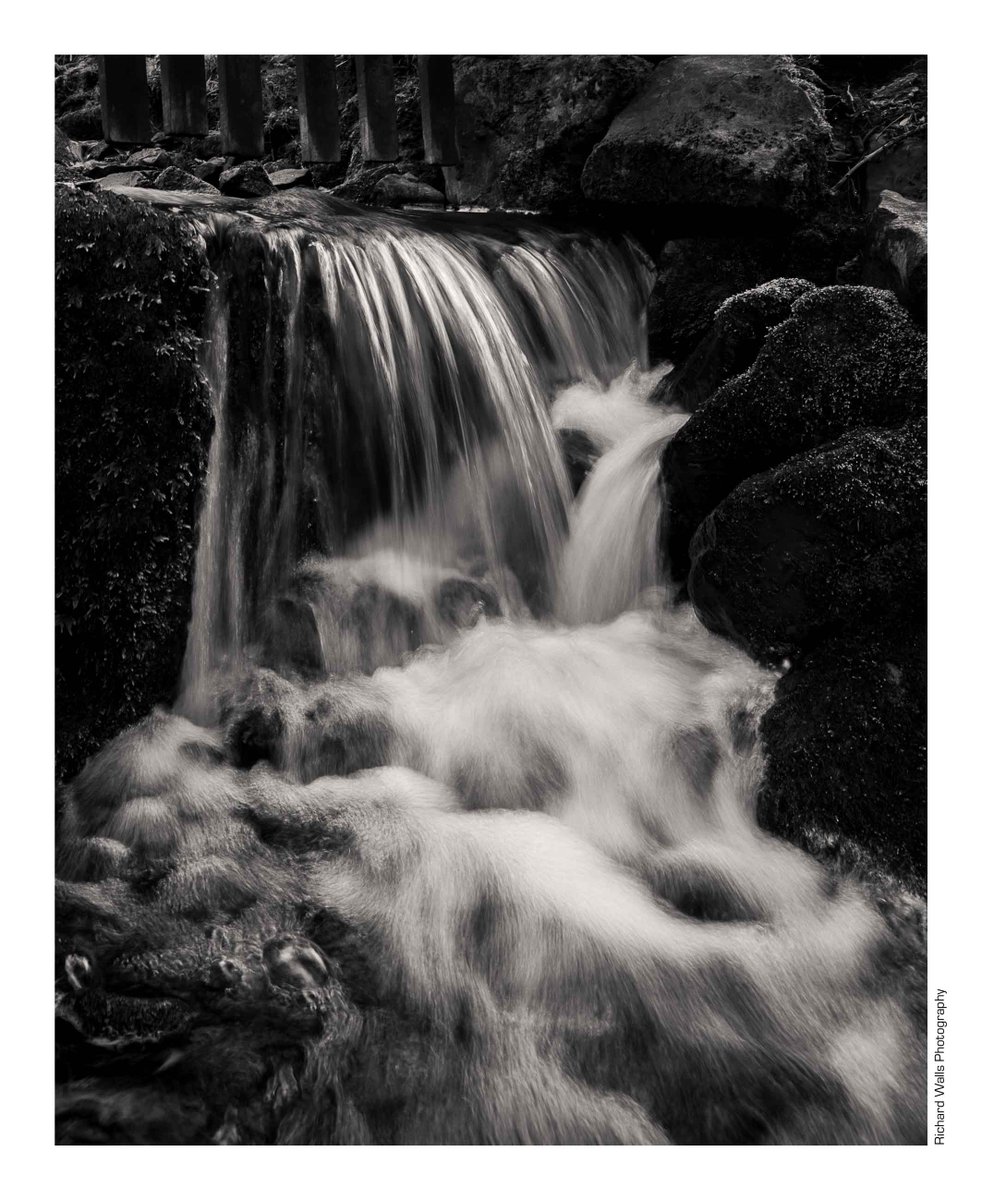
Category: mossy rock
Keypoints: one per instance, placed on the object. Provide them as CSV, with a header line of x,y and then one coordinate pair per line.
x,y
132,422
846,746
846,358
832,536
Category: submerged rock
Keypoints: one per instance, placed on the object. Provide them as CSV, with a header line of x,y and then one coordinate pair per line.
x,y
173,179
845,358
738,131
830,537
896,254
247,179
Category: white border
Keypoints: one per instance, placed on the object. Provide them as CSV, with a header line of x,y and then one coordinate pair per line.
x,y
943,31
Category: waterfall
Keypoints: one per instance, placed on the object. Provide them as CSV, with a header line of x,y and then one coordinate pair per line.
x,y
451,836
380,381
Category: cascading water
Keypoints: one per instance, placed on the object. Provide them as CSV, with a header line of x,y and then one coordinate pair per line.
x,y
452,836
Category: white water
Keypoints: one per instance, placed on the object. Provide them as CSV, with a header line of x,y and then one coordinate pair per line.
x,y
472,728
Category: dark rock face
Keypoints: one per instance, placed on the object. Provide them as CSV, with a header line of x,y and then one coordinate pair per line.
x,y
731,130
526,124
846,744
896,255
830,537
173,179
731,345
247,179
846,357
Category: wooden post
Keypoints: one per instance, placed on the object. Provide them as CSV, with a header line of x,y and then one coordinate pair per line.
x,y
240,96
317,99
377,107
124,98
436,102
182,90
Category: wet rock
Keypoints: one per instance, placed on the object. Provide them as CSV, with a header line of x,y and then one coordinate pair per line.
x,y
737,131
846,357
209,169
831,537
151,159
846,750
896,254
247,179
731,345
173,179
119,178
527,123
93,169
397,190
290,177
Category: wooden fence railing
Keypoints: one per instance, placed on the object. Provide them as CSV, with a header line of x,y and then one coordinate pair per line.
x,y
126,103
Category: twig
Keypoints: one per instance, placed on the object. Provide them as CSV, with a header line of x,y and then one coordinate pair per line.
x,y
878,151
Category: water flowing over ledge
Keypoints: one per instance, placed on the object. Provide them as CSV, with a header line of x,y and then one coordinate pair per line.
x,y
452,836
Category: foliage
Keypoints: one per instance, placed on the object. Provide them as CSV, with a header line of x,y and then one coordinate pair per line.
x,y
131,424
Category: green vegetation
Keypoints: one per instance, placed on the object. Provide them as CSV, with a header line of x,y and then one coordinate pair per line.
x,y
132,423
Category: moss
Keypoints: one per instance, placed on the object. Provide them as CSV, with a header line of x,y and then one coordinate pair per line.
x,y
846,358
132,420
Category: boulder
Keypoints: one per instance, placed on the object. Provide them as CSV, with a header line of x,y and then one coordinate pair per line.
x,y
845,358
118,179
735,131
67,151
247,179
527,123
896,253
209,169
731,345
289,177
696,274
830,537
397,190
846,749
152,158
99,150
173,179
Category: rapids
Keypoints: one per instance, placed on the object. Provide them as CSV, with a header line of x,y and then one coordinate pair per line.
x,y
450,836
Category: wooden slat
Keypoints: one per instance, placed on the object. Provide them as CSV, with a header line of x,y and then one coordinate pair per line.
x,y
124,98
377,107
317,99
182,90
240,95
437,106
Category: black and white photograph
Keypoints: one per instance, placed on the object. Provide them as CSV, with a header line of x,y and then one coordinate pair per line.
x,y
490,567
